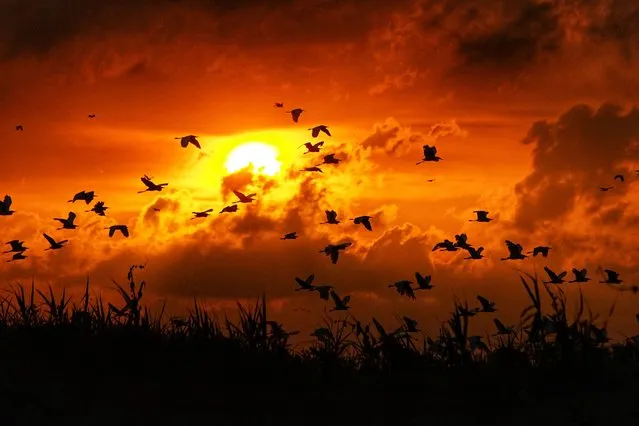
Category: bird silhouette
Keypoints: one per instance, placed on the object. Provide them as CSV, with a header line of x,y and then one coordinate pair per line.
x,y
606,188
315,131
17,256
330,159
86,196
19,128
476,344
229,209
295,113
331,217
68,222
333,250
17,246
340,304
543,250
430,154
278,104
156,209
581,276
122,228
482,216
410,325
91,115
619,178
311,169
515,251
150,186
613,277
465,312
99,208
445,245
423,281
486,305
461,241
554,277
5,206
310,147
204,213
243,198
53,244
404,288
474,254
323,291
189,139
289,236
364,221
306,284
502,329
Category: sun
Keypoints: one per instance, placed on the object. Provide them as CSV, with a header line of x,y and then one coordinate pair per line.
x,y
262,156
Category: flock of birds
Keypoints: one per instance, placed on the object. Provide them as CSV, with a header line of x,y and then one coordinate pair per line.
x,y
326,292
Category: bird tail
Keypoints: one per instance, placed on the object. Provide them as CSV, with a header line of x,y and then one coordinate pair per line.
x,y
139,192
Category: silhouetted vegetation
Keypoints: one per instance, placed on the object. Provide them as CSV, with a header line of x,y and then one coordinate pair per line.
x,y
91,362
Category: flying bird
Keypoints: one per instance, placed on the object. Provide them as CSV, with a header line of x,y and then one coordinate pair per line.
x,y
613,277
229,209
330,159
289,236
430,154
363,220
53,244
295,113
243,198
189,139
543,250
310,147
333,250
331,217
482,216
311,169
68,222
474,254
410,325
501,328
315,131
445,245
606,188
430,180
99,208
403,288
461,241
278,104
486,305
17,256
122,228
5,206
16,246
156,209
581,275
91,115
620,178
340,304
204,213
86,196
19,128
423,281
554,277
150,186
515,251
323,290
305,284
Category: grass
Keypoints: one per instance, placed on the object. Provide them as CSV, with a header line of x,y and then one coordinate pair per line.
x,y
93,362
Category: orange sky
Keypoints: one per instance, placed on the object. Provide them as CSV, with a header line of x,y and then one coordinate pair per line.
x,y
535,100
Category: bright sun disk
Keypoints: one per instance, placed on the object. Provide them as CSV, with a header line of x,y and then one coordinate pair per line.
x,y
262,156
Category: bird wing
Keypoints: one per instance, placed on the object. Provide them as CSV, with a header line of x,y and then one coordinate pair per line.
x,y
346,300
619,177
196,143
550,273
239,195
484,302
72,216
7,201
329,157
300,282
343,246
325,130
334,255
147,182
562,275
367,224
111,231
184,141
336,298
318,144
49,239
315,131
125,231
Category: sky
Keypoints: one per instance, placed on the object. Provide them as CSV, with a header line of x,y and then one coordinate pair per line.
x,y
531,104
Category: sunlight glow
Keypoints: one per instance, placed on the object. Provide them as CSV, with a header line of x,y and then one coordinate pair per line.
x,y
262,156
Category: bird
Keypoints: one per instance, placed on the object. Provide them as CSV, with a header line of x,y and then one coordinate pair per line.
x,y
423,281
305,284
554,277
403,288
122,228
501,328
580,276
229,209
17,256
91,115
410,325
445,245
295,113
613,277
310,147
204,213
461,241
515,251
330,159
86,196
278,104
363,220
474,254
332,250
482,216
53,244
289,236
606,188
189,139
543,250
340,304
68,222
99,208
16,246
475,344
430,180
156,209
150,186
331,217
311,169
486,305
19,128
465,312
5,206
430,154
243,198
315,131
323,290
620,178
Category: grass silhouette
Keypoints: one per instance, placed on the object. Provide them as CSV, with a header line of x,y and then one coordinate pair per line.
x,y
95,363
